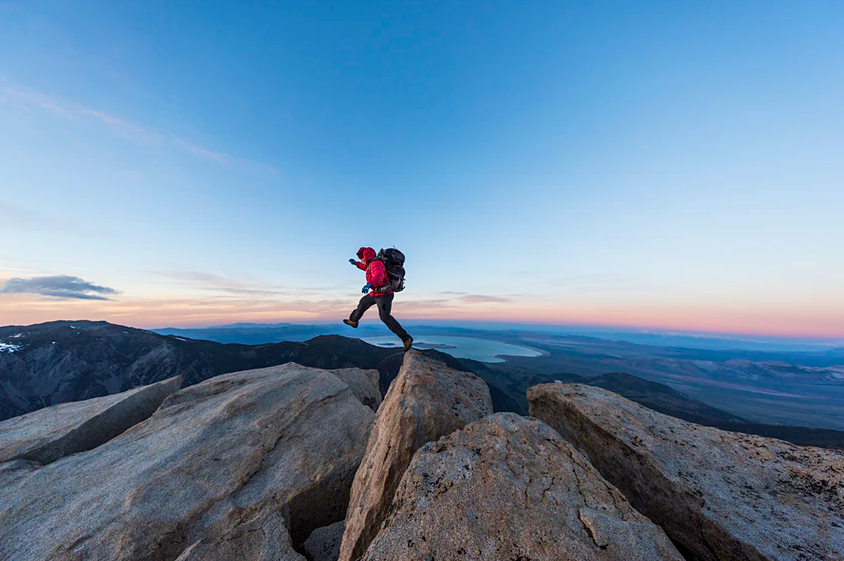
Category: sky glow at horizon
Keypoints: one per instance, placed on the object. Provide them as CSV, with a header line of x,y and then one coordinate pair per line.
x,y
631,164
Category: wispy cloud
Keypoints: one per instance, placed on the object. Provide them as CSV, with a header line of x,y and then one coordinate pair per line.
x,y
30,100
217,283
224,309
123,128
60,286
474,298
201,152
482,299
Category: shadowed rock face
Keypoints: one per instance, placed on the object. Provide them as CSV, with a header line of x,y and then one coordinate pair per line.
x,y
426,401
508,487
324,543
721,495
46,435
231,468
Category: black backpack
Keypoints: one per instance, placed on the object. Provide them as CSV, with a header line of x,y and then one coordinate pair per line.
x,y
393,260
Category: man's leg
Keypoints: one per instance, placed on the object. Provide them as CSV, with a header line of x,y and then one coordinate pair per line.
x,y
365,303
385,305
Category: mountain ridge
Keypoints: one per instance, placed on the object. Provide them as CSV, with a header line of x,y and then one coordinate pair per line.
x,y
285,461
62,361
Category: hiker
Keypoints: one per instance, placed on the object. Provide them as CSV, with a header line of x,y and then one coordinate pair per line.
x,y
381,291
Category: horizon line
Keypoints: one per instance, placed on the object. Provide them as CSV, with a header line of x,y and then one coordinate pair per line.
x,y
423,322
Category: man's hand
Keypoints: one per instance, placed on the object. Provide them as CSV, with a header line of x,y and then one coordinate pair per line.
x,y
353,262
366,287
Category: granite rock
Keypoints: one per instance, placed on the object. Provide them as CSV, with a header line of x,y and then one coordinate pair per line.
x,y
510,488
718,494
426,401
243,465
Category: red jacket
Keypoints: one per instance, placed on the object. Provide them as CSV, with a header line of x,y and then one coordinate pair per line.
x,y
376,272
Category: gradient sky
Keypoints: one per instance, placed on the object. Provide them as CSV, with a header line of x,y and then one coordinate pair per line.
x,y
675,165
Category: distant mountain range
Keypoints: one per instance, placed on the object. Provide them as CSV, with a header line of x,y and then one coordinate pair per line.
x,y
65,361
258,333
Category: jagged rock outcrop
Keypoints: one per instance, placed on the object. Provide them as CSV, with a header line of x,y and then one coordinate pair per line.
x,y
426,401
508,487
242,466
324,543
46,435
720,495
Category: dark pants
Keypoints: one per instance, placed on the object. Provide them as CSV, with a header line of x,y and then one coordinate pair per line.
x,y
385,304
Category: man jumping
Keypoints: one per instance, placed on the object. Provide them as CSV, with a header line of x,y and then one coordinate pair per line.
x,y
380,294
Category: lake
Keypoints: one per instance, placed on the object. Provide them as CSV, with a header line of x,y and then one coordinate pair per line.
x,y
482,350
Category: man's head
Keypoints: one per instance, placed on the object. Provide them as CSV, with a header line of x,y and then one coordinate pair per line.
x,y
366,254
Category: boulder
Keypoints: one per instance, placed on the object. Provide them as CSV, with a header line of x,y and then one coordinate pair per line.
x,y
324,543
243,465
426,401
364,384
510,488
260,534
48,434
718,494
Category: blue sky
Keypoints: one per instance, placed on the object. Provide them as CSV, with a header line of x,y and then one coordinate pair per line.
x,y
653,164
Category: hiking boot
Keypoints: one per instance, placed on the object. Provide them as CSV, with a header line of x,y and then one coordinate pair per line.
x,y
408,343
351,323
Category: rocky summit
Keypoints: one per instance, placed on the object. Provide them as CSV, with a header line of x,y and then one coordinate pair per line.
x,y
243,466
720,495
295,463
426,401
508,487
